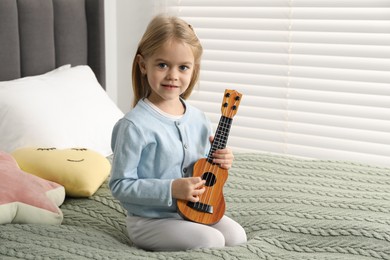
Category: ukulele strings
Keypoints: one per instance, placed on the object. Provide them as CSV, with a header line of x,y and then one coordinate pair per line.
x,y
215,168
212,167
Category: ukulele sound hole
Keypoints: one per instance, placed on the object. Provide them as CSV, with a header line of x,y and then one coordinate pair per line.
x,y
210,178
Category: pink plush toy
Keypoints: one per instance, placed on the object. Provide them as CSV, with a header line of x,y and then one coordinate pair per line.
x,y
25,198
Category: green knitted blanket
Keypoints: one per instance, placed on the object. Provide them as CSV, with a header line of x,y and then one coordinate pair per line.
x,y
290,208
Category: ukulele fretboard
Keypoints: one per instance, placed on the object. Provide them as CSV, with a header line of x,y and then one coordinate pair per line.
x,y
221,136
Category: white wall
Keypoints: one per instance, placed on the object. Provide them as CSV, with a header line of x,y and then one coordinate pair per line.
x,y
126,21
111,41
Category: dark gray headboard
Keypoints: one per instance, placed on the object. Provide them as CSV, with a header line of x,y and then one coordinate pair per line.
x,y
37,36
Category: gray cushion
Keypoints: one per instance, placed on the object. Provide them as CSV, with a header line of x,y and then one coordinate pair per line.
x,y
38,36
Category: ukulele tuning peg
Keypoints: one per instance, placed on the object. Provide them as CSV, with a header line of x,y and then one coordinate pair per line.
x,y
227,95
234,107
225,104
237,98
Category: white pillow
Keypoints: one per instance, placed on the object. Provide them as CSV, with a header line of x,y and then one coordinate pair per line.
x,y
64,108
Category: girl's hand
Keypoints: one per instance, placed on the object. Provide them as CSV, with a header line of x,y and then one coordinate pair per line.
x,y
223,157
188,188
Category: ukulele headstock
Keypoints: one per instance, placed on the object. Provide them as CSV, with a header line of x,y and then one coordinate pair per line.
x,y
230,103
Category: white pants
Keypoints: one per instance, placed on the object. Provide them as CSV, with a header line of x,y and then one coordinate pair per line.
x,y
174,234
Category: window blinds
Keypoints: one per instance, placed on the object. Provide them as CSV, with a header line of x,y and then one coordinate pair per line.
x,y
314,74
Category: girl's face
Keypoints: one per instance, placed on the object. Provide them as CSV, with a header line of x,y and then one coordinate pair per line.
x,y
169,71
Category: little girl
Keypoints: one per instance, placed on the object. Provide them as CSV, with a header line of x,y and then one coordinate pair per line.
x,y
157,143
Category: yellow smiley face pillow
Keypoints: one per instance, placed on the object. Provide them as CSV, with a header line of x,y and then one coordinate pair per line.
x,y
79,170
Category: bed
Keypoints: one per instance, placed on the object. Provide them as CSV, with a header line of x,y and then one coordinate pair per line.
x,y
291,208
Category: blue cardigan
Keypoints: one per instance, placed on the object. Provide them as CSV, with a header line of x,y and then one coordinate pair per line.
x,y
150,151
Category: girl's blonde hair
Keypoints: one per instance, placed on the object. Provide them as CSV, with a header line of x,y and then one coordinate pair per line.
x,y
161,29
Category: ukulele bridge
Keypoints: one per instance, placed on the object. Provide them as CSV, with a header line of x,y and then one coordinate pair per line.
x,y
202,207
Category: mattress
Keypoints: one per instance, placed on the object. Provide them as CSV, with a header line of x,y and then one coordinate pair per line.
x,y
290,208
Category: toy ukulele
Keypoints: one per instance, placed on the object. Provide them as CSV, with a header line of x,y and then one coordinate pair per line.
x,y
211,205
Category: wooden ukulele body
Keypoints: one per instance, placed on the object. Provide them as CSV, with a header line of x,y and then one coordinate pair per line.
x,y
211,207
